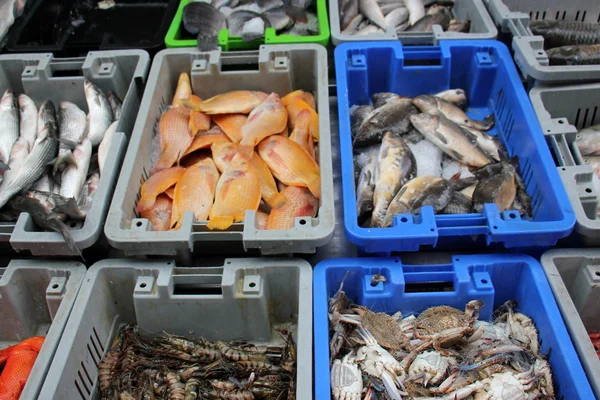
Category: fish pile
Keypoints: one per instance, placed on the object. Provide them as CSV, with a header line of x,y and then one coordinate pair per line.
x,y
10,10
222,156
442,353
51,160
16,363
365,17
588,143
248,19
595,338
175,367
425,151
569,42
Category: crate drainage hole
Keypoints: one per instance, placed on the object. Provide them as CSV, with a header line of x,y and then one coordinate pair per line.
x,y
143,285
138,224
495,227
55,286
252,284
302,222
73,224
561,121
484,281
404,219
588,190
511,215
597,273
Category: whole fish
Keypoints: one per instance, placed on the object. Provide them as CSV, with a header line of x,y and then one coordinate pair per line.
x,y
223,153
588,141
396,17
18,154
491,145
291,203
99,113
365,188
395,166
348,10
458,204
195,191
382,98
46,184
295,107
499,189
278,18
436,106
416,10
157,184
371,10
105,145
237,101
160,213
115,104
72,126
231,124
311,27
419,192
522,196
369,29
57,204
254,28
413,136
269,118
175,137
362,157
357,116
392,117
9,120
425,24
205,22
74,176
564,33
449,137
583,54
458,97
28,125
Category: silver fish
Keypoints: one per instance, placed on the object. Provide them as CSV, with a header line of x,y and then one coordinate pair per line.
x,y
45,184
365,189
588,141
311,27
426,23
254,29
9,121
18,154
458,204
436,106
458,97
86,197
450,138
396,17
352,26
369,29
371,10
238,19
105,145
348,11
74,176
392,117
72,126
99,113
488,143
500,189
396,165
115,104
381,98
28,112
416,10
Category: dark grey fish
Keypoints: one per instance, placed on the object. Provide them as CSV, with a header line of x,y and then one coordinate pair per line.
x,y
500,189
278,18
413,136
364,190
204,21
426,23
115,104
380,99
348,10
392,117
238,19
564,33
458,204
358,115
487,171
459,26
522,195
584,54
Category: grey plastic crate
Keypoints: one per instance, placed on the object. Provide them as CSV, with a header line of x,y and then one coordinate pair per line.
x,y
574,275
36,298
513,17
255,294
275,68
482,27
42,77
562,111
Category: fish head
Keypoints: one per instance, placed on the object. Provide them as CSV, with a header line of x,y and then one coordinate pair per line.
x,y
425,102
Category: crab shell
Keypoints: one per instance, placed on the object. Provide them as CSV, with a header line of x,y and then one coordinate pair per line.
x,y
346,380
432,364
437,319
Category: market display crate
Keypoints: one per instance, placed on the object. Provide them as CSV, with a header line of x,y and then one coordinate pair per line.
x,y
482,27
242,299
562,111
513,17
485,71
43,77
493,279
178,37
574,275
280,69
36,298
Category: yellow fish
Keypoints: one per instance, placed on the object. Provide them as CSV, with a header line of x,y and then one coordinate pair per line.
x,y
156,185
290,163
183,90
231,124
292,202
175,137
301,135
265,120
302,95
159,214
294,108
204,141
198,122
237,101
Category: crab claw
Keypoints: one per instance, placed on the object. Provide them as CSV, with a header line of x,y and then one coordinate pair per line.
x,y
472,308
390,386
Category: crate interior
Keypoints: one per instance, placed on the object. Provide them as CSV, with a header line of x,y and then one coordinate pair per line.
x,y
575,10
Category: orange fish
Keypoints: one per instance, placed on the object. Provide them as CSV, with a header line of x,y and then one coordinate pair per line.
x,y
170,192
156,185
195,192
267,119
231,124
237,101
194,157
302,95
261,220
294,108
285,132
160,213
204,141
183,90
290,163
301,134
223,153
18,366
192,102
238,190
175,137
292,202
198,122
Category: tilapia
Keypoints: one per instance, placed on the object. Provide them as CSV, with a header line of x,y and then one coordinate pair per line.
x,y
9,120
231,124
588,141
159,215
157,184
294,108
395,166
365,189
105,145
392,117
28,124
205,22
382,98
583,54
115,104
291,203
261,220
449,137
416,10
357,115
499,189
72,126
99,113
237,101
74,176
436,106
205,141
278,18
175,137
425,24
253,28
468,191
458,97
348,10
563,33
522,195
307,97
301,133
458,204
269,118
371,10
491,145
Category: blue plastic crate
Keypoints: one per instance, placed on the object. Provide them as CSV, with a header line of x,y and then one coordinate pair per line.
x,y
485,70
493,279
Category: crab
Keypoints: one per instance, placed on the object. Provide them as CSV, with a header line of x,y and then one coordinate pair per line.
x,y
385,328
542,369
440,318
520,327
430,365
346,379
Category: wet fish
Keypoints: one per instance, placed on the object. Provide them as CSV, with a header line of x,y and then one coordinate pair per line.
x,y
105,145
425,24
413,136
175,137
290,163
395,166
237,101
588,141
28,122
348,10
157,184
278,18
231,124
522,196
294,108
352,26
46,184
436,106
458,204
86,197
291,203
205,22
468,191
115,104
198,122
238,190
382,98
369,29
160,213
307,97
416,10
491,145
183,91
311,27
99,113
459,26
301,133
18,154
564,33
58,204
269,118
254,28
583,54
195,191
72,127
500,189
205,141
458,97
396,17
9,121
450,138
223,153
268,187
75,175
357,115
392,117
365,189
371,10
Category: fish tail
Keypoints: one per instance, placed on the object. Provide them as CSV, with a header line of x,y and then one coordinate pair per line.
x,y
66,234
67,158
207,43
191,104
220,223
193,126
314,185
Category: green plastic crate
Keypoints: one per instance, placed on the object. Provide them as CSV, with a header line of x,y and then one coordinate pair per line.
x,y
175,33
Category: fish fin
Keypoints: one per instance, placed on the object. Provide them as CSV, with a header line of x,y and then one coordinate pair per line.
x,y
58,161
456,155
193,126
71,208
440,137
191,104
472,138
455,177
207,43
69,143
219,223
66,234
314,185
